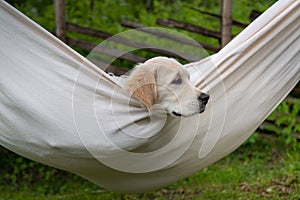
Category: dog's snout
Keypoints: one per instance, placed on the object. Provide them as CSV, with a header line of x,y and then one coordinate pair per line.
x,y
203,97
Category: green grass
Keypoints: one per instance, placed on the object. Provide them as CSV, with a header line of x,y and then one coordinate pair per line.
x,y
266,169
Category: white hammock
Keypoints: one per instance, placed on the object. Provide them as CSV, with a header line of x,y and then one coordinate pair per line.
x,y
59,109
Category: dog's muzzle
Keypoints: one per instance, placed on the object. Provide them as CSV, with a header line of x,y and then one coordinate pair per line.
x,y
203,99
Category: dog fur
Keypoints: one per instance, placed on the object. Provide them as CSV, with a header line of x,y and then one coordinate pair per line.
x,y
164,81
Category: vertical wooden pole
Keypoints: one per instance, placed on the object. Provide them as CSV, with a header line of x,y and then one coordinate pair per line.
x,y
60,19
226,10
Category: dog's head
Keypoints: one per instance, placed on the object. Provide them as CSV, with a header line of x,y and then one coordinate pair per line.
x,y
165,82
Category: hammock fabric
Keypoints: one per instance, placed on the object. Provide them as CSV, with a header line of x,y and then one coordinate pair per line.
x,y
59,109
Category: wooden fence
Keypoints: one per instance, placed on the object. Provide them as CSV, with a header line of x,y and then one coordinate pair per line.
x,y
223,36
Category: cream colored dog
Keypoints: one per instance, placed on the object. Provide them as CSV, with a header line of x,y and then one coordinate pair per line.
x,y
163,81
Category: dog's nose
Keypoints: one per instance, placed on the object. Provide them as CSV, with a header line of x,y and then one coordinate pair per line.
x,y
203,97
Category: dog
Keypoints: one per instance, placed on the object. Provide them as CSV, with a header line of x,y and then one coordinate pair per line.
x,y
164,82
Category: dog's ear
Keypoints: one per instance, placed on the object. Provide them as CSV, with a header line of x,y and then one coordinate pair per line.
x,y
142,85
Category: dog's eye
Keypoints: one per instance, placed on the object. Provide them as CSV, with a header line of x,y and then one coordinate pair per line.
x,y
177,81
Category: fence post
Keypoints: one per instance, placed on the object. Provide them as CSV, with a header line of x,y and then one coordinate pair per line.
x,y
226,12
60,20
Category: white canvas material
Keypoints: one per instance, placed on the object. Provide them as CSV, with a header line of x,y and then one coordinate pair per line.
x,y
59,109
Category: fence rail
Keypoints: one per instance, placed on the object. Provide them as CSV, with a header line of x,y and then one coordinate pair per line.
x,y
122,40
172,23
162,34
219,17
